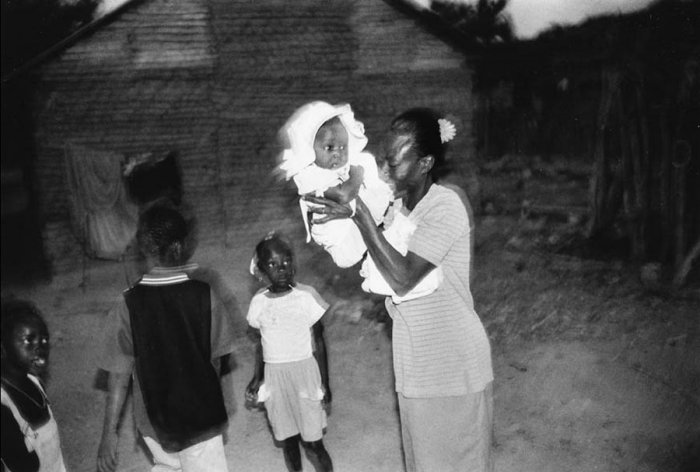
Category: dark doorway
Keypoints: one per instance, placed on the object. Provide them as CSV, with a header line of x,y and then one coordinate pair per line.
x,y
154,178
23,258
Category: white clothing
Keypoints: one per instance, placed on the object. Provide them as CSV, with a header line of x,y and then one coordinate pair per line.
x,y
44,440
300,130
398,235
340,238
206,456
285,322
294,399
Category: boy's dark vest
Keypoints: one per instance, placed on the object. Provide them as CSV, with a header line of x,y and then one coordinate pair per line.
x,y
171,329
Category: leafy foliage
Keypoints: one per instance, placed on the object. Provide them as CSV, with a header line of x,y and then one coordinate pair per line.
x,y
484,23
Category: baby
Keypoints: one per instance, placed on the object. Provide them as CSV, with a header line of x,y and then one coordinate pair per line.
x,y
325,157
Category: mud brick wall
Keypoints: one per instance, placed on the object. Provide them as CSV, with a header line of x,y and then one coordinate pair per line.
x,y
214,80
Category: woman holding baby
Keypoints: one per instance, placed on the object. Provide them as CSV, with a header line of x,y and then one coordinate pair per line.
x,y
442,355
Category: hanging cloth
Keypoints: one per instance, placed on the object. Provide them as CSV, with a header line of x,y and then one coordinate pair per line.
x,y
104,219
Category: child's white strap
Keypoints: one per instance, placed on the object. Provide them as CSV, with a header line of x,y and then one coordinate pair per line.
x,y
353,206
305,216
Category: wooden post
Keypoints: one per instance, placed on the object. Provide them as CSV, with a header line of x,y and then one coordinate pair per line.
x,y
599,179
629,194
681,158
665,196
643,175
683,269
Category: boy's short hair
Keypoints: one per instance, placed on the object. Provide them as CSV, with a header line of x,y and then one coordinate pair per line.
x,y
15,311
159,228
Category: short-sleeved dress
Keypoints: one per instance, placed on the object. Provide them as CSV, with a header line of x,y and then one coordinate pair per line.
x,y
292,376
442,355
439,343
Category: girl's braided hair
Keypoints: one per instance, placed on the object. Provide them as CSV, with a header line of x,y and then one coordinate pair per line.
x,y
273,240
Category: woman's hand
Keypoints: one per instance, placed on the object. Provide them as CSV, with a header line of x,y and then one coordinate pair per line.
x,y
329,209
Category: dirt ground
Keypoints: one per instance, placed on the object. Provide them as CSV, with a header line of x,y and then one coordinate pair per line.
x,y
595,371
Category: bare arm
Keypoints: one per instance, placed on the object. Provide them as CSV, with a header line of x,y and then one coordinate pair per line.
x,y
348,190
402,273
321,356
258,371
107,458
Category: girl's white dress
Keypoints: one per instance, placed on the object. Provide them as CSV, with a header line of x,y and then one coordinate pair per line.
x,y
293,388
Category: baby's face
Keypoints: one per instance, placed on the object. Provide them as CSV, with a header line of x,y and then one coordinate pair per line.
x,y
331,145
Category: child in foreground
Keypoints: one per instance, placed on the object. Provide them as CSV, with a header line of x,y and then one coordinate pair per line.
x,y
166,337
287,317
30,440
325,157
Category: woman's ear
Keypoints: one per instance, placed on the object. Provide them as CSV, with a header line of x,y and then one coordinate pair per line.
x,y
426,163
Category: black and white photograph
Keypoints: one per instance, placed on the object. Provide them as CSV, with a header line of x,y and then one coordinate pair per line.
x,y
350,236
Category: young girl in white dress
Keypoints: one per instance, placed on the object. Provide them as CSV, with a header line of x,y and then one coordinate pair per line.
x,y
291,369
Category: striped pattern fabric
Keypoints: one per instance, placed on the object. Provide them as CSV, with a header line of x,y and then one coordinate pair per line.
x,y
147,280
439,343
168,275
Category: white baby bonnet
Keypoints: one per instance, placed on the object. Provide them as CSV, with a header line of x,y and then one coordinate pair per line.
x,y
301,128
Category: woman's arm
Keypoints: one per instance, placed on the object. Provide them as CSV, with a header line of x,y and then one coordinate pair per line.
x,y
402,273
